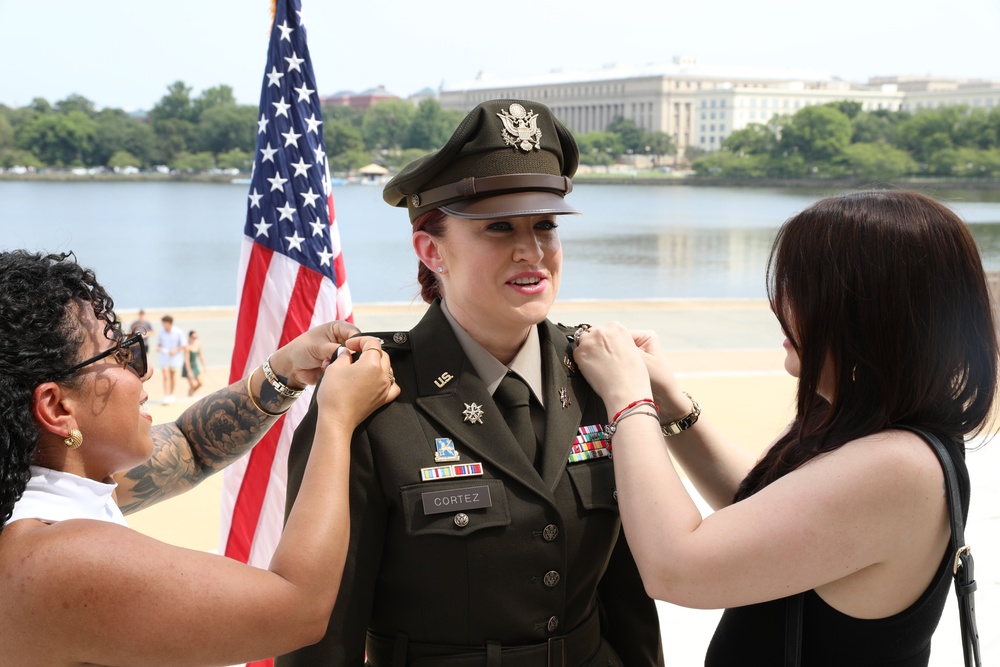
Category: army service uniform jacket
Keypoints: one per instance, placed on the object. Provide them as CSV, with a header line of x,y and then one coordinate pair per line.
x,y
490,560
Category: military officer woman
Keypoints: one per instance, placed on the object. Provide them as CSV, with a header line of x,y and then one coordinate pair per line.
x,y
484,521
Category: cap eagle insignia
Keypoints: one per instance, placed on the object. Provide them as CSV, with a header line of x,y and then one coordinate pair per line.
x,y
521,128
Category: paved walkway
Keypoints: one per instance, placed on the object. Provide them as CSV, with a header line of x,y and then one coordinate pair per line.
x,y
729,355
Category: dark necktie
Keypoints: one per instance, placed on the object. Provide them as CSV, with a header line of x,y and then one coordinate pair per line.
x,y
514,400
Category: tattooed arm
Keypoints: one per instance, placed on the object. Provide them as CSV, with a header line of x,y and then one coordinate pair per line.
x,y
226,424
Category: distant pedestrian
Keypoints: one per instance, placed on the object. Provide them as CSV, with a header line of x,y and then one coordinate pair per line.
x,y
141,325
170,345
194,361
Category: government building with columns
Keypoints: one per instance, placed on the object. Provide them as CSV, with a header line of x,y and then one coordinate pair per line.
x,y
700,105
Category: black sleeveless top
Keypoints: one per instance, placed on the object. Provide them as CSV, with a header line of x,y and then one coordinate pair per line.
x,y
755,634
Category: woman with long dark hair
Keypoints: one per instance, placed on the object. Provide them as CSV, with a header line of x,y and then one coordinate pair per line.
x,y
884,303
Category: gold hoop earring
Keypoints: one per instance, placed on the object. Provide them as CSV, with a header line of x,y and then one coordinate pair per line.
x,y
75,438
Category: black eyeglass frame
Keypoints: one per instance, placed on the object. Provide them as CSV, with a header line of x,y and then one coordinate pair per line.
x,y
134,362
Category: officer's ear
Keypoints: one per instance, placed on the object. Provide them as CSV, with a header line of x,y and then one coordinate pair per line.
x,y
427,249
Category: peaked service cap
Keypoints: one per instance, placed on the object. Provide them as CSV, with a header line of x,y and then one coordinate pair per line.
x,y
507,158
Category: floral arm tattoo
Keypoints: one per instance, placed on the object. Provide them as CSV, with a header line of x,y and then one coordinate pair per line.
x,y
206,438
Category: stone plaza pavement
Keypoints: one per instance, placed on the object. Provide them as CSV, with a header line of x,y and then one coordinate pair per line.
x,y
728,354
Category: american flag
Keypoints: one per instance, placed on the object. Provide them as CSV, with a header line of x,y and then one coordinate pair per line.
x,y
291,273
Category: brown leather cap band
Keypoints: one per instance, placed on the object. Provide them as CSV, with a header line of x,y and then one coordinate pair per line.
x,y
490,185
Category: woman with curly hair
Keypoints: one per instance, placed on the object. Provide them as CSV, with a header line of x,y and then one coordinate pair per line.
x,y
78,450
889,326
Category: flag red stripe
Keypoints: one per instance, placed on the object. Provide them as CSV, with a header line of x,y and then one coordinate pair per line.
x,y
246,323
300,308
246,513
250,500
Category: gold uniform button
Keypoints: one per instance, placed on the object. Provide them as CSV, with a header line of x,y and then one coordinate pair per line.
x,y
461,519
553,624
550,532
551,578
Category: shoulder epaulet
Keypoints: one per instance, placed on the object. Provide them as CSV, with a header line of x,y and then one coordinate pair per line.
x,y
570,329
391,340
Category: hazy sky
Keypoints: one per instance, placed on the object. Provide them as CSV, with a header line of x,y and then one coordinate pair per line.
x,y
124,53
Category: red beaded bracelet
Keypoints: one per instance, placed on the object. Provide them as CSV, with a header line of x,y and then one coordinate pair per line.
x,y
641,401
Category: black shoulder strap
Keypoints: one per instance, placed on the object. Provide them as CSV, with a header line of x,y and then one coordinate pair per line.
x,y
963,567
793,630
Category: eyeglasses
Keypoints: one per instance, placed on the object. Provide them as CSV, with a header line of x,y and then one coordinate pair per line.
x,y
131,352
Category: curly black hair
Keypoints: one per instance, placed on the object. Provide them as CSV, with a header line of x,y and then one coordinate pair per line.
x,y
40,339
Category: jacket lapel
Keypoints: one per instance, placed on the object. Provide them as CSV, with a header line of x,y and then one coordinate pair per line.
x,y
566,393
451,394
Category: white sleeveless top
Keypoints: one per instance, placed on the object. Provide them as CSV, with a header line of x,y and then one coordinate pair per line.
x,y
53,496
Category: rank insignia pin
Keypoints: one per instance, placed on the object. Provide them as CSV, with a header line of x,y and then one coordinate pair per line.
x,y
444,450
568,363
473,413
564,398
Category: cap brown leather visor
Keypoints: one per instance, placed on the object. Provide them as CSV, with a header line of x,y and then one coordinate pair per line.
x,y
512,205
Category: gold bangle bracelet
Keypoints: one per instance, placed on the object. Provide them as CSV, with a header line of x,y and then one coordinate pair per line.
x,y
254,401
278,385
685,422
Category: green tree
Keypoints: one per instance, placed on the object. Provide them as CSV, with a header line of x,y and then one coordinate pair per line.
x,y
975,129
790,165
40,105
58,140
123,159
341,136
173,136
6,134
630,133
658,143
849,108
387,123
431,126
965,162
724,163
235,159
818,133
224,127
193,162
76,103
16,157
929,131
874,128
754,139
175,105
348,161
210,98
877,162
599,148
115,132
